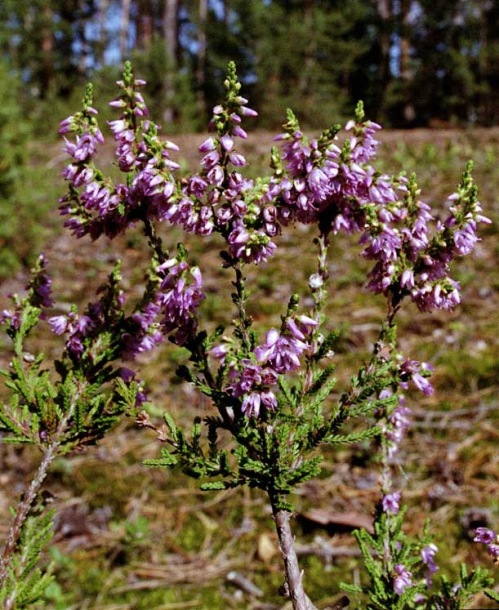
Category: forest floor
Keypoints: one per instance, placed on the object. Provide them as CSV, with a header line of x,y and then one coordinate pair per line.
x,y
131,537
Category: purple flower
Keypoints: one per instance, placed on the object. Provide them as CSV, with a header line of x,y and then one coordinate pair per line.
x,y
250,246
253,402
178,297
58,324
282,350
397,423
491,539
252,382
428,557
40,285
391,503
466,238
418,373
493,550
402,580
227,142
13,317
85,146
442,294
75,346
219,352
237,159
484,535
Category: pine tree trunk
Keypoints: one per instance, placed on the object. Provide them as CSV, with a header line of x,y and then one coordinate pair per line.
x,y
170,36
385,12
144,25
103,34
405,61
46,50
201,56
125,24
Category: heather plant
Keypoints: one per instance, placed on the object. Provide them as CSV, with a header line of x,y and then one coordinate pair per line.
x,y
271,389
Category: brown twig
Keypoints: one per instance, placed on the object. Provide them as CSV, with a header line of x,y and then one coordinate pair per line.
x,y
294,586
24,507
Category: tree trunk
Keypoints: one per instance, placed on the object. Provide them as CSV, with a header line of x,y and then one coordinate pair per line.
x,y
125,25
201,56
144,25
385,12
170,36
304,83
405,61
46,50
103,33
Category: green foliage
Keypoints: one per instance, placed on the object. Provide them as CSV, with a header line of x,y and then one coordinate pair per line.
x,y
153,65
410,62
278,451
71,412
59,411
13,141
458,596
25,583
389,547
302,43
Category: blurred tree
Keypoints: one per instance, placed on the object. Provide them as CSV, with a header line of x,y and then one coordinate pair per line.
x,y
170,36
315,56
46,41
410,61
124,29
21,207
488,98
441,59
103,37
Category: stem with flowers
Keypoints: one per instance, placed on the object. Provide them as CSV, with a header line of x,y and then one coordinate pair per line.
x,y
272,391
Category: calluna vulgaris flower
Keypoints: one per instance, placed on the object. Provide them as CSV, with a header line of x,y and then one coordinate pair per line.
x,y
402,578
490,538
391,503
428,556
316,181
252,379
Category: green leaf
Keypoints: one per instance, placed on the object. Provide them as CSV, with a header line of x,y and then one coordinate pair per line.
x,y
167,460
354,437
491,594
213,486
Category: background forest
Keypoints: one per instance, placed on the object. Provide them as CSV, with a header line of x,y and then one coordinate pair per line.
x,y
412,62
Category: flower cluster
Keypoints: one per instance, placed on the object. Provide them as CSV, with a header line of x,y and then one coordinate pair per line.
x,y
410,260
40,285
315,181
393,428
39,295
428,558
96,205
77,327
169,309
327,184
252,378
491,539
402,578
418,373
220,198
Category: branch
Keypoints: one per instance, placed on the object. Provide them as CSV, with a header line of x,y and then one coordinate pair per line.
x,y
293,587
24,507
